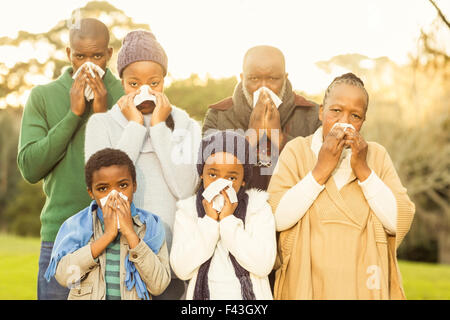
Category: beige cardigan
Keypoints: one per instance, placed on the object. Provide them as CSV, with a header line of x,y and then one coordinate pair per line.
x,y
339,234
81,266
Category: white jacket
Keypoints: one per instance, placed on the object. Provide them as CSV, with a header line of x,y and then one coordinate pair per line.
x,y
196,239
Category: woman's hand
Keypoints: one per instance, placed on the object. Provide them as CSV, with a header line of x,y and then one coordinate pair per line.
x,y
359,154
329,155
228,208
129,110
162,109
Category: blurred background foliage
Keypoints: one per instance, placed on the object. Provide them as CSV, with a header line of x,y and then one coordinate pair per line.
x,y
408,114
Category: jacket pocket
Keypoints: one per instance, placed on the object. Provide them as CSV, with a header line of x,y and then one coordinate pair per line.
x,y
84,292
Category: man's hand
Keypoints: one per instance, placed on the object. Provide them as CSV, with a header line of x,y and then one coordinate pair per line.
x,y
265,119
329,155
99,90
77,100
129,110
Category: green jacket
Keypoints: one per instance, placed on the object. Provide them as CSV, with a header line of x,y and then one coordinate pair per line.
x,y
51,147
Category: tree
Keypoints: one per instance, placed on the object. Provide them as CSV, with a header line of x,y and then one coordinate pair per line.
x,y
195,95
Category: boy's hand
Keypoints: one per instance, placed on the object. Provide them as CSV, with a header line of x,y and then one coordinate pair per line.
x,y
110,218
126,221
228,208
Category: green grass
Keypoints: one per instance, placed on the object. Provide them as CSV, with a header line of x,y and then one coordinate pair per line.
x,y
19,267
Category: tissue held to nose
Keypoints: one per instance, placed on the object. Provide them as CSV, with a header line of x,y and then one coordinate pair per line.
x,y
88,93
212,193
144,95
105,199
276,100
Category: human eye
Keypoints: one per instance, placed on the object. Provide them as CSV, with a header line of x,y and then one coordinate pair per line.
x,y
79,56
133,84
212,175
154,83
123,185
102,189
232,178
356,116
98,56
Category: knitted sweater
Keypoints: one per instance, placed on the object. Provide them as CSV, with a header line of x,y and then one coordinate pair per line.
x,y
254,247
339,248
51,147
165,160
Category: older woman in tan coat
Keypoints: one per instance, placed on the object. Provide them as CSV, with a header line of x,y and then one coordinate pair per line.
x,y
340,207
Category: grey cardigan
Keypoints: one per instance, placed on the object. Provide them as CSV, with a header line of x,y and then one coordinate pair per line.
x,y
165,160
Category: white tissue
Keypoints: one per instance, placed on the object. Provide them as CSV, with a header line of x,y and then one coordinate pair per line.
x,y
104,199
347,152
144,95
212,193
88,93
343,125
276,100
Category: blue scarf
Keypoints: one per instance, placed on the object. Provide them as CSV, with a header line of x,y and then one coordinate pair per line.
x,y
76,232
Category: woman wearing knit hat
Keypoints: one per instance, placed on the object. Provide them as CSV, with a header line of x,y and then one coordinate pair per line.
x,y
161,139
225,248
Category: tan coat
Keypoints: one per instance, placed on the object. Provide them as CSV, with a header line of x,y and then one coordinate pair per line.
x,y
339,246
80,265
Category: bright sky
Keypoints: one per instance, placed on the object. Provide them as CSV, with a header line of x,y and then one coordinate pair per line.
x,y
211,36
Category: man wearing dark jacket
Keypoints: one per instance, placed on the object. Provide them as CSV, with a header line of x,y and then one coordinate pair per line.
x,y
267,127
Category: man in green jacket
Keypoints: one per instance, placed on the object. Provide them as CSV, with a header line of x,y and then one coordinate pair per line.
x,y
267,126
51,144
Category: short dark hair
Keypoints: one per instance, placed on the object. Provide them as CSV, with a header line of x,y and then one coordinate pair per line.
x,y
105,158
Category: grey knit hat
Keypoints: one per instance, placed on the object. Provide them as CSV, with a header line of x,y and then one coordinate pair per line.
x,y
140,45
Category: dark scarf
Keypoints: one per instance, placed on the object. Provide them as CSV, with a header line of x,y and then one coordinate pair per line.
x,y
201,291
242,110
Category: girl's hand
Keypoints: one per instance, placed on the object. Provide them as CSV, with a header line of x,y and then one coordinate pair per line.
x,y
162,109
128,108
210,211
329,155
228,208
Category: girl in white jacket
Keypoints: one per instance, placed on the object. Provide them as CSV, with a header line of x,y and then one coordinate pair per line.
x,y
226,253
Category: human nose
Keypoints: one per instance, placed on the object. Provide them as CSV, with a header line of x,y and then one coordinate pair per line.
x,y
345,117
